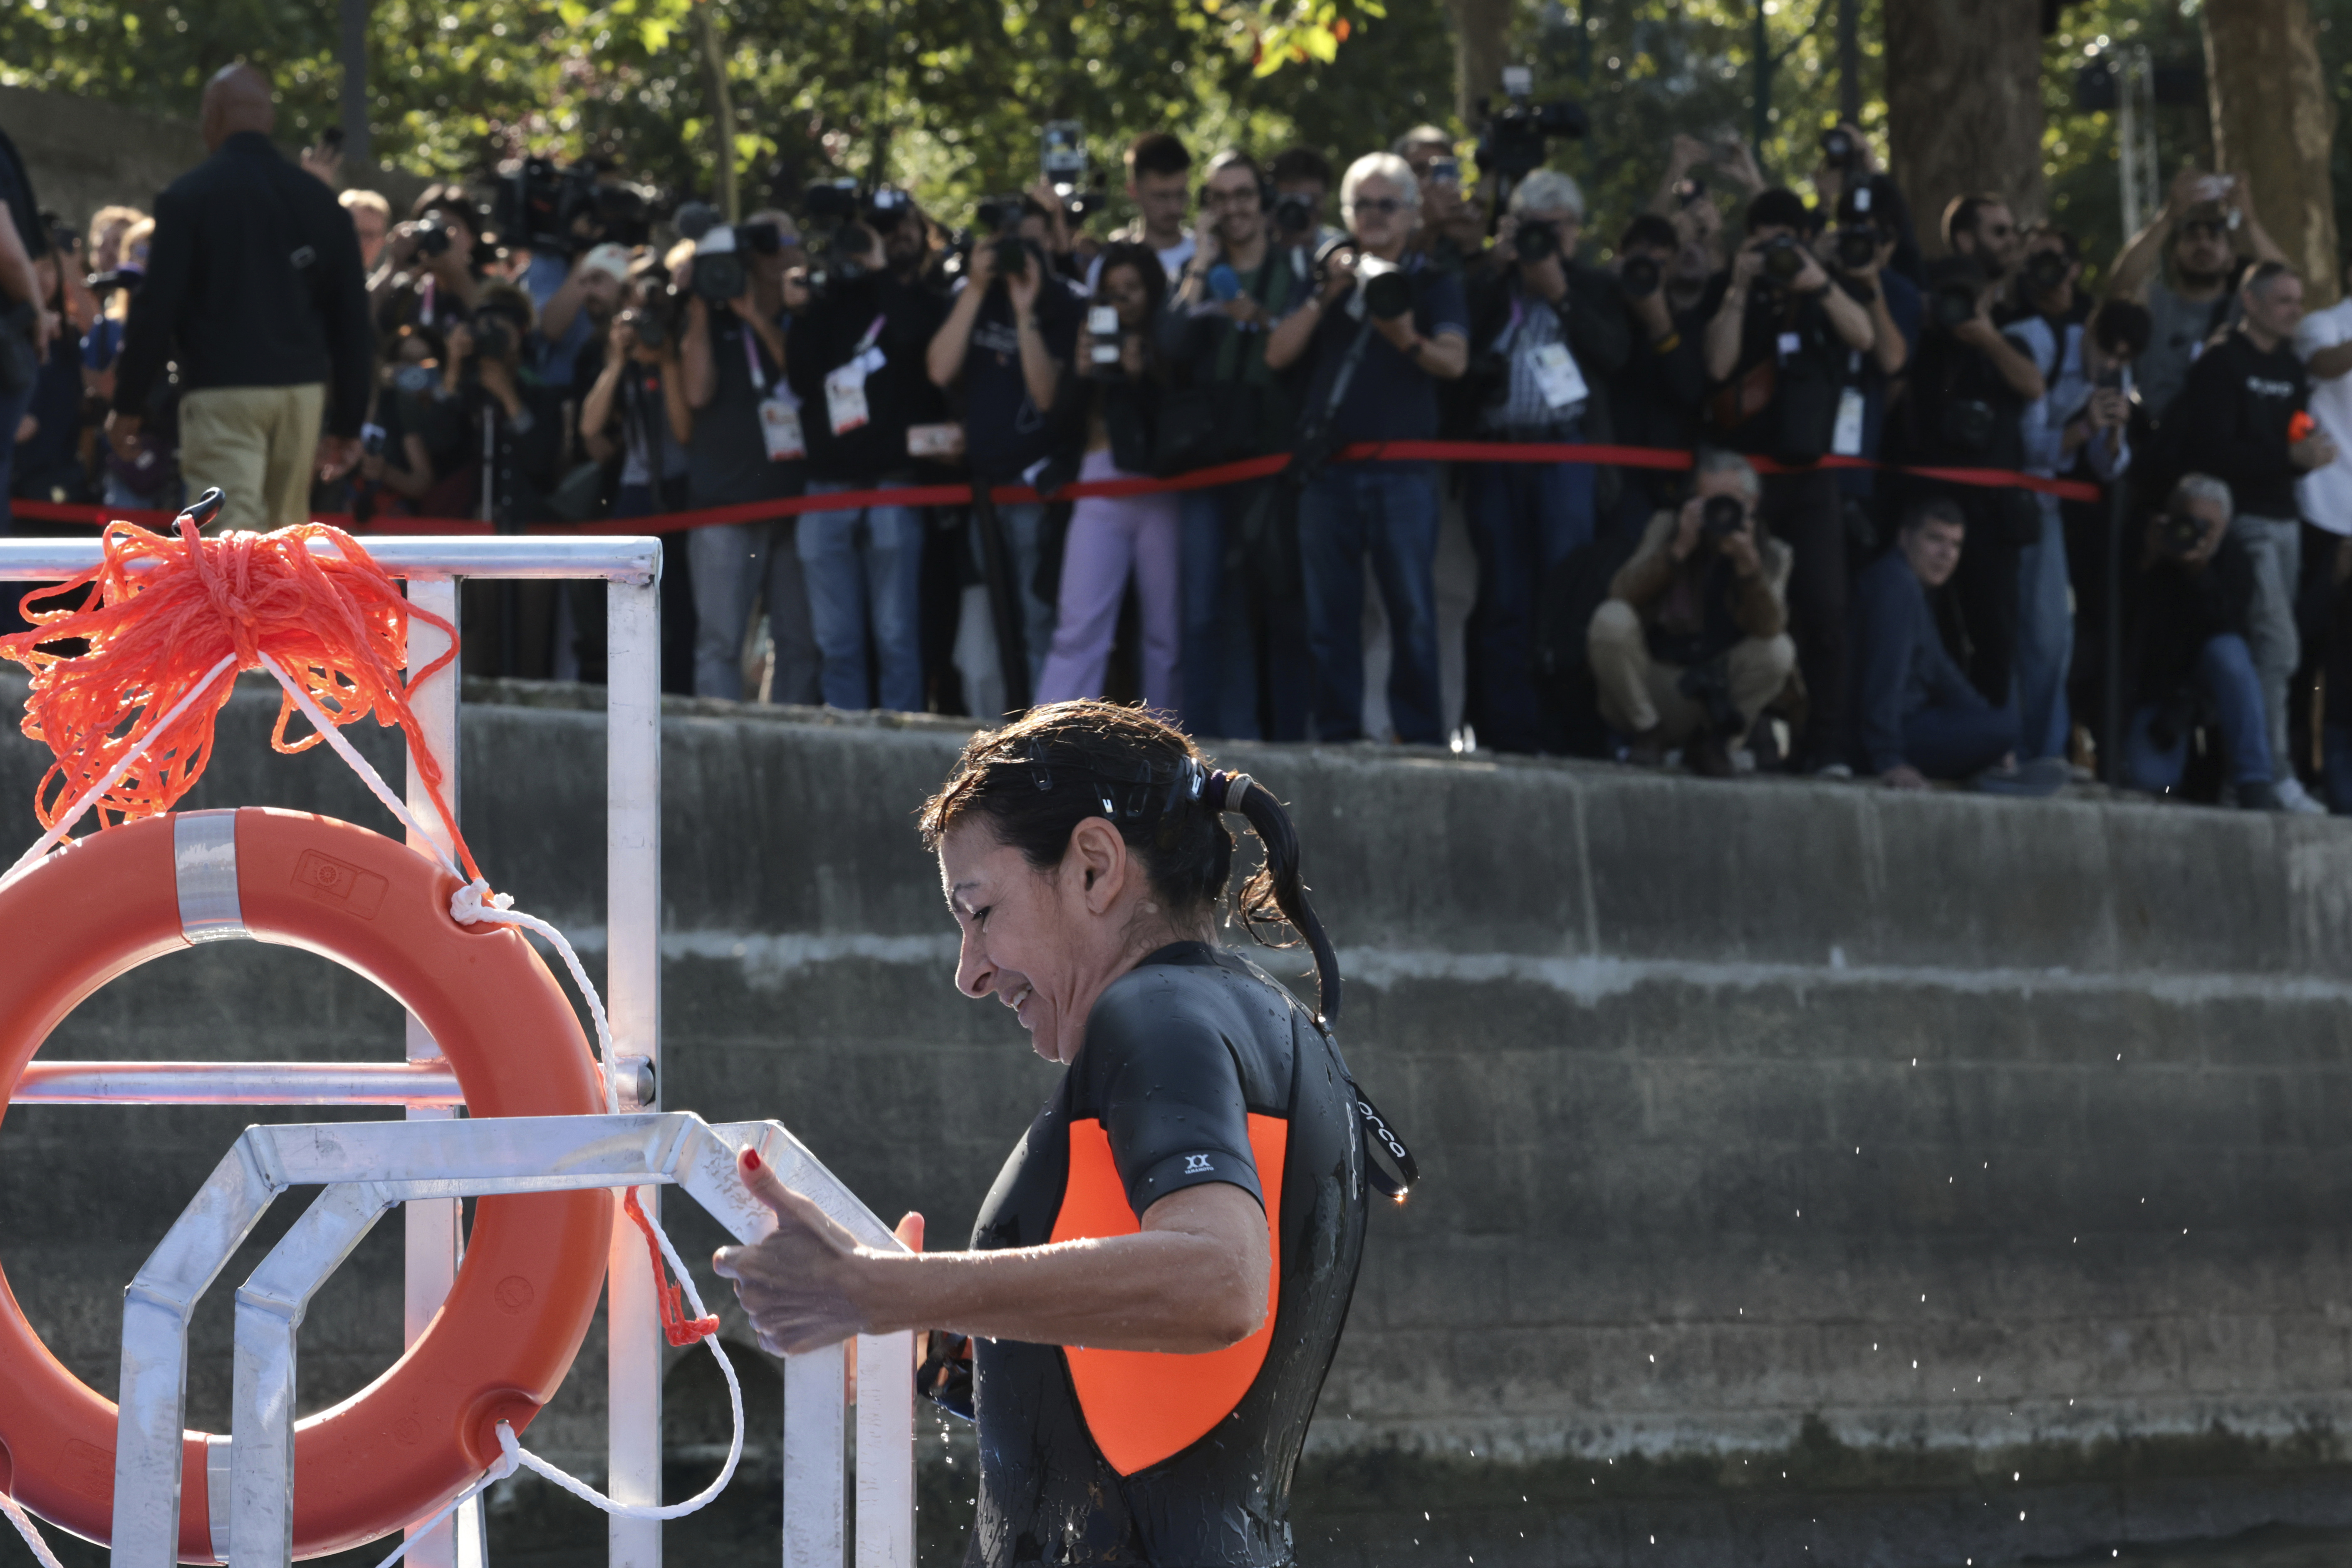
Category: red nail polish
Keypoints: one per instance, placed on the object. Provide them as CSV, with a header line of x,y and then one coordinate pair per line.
x,y
751,1159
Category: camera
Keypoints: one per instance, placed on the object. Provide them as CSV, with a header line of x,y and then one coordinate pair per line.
x,y
1954,285
1640,277
494,337
433,237
416,380
1857,248
372,439
2045,271
1388,293
1535,241
564,211
1783,260
1293,216
1838,150
1719,519
719,273
2175,535
1517,137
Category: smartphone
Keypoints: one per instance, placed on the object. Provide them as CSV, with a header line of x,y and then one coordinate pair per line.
x,y
332,138
1062,154
1445,172
1102,327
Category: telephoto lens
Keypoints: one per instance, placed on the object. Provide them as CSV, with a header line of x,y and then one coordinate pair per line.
x,y
1535,241
1856,248
433,237
1783,258
1640,277
1387,294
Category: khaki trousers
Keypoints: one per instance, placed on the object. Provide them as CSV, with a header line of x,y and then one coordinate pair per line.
x,y
259,444
1638,693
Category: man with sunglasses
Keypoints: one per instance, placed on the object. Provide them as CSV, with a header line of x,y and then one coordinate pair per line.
x,y
1379,333
2207,232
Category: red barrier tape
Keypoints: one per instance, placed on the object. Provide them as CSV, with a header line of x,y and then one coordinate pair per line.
x,y
1199,479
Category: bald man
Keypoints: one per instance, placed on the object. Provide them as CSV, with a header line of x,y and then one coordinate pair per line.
x,y
254,284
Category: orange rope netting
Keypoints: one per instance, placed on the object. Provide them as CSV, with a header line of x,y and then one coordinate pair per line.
x,y
162,611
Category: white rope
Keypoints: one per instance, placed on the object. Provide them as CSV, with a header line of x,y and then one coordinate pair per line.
x,y
28,1530
96,792
501,1469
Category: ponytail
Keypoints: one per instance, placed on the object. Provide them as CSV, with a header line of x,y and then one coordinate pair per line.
x,y
1276,894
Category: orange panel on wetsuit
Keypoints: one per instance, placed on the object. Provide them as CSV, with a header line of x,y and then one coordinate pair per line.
x,y
1143,1405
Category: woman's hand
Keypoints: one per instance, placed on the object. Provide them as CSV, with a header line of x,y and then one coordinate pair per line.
x,y
799,1286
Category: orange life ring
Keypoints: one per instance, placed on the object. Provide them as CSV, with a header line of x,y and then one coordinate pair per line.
x,y
534,1264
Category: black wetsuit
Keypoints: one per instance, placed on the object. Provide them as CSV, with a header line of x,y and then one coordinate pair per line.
x,y
1196,1068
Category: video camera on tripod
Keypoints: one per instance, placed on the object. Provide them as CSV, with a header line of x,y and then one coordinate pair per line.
x,y
1516,138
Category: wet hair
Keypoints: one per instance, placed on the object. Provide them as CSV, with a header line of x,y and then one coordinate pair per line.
x,y
1035,780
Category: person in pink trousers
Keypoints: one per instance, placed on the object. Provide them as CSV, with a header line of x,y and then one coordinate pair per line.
x,y
1112,537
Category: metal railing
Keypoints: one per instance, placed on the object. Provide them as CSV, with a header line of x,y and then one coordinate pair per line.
x,y
424,1084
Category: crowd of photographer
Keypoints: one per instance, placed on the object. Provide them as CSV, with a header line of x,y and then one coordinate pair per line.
x,y
536,359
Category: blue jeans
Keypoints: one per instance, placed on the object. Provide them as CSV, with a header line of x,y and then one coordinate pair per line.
x,y
733,565
2225,668
1525,518
1390,511
854,573
1952,741
2335,756
2045,640
1202,545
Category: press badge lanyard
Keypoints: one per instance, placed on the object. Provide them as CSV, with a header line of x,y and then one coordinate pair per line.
x,y
780,421
845,387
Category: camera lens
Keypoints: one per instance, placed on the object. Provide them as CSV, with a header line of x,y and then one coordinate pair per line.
x,y
1782,259
1720,517
1535,241
1386,295
1639,276
1856,248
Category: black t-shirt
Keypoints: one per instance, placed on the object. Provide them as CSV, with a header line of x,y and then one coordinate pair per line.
x,y
1196,1068
1963,413
17,192
2231,421
1004,431
1787,348
727,459
898,393
1390,397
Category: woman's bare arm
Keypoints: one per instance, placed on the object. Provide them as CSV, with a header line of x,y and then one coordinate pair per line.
x,y
1192,1279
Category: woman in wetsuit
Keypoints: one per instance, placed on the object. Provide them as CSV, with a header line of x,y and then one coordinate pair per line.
x,y
1189,1206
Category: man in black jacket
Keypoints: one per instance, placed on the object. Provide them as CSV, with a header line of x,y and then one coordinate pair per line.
x,y
1548,334
29,326
254,284
855,357
2241,418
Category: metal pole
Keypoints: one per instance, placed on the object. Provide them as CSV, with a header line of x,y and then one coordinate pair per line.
x,y
1763,114
356,151
2111,741
633,994
1004,600
434,1244
1849,48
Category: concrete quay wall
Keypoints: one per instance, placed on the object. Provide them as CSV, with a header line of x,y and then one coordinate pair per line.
x,y
1801,1163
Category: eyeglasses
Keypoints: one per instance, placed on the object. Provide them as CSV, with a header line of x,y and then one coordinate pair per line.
x,y
1376,205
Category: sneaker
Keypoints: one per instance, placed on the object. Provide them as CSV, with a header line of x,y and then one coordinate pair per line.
x,y
2033,776
2293,797
2257,794
1839,772
1709,759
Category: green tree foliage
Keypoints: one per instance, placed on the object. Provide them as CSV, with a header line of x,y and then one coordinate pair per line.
x,y
947,96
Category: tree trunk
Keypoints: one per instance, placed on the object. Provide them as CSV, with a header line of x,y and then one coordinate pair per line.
x,y
1482,37
2274,122
1964,105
